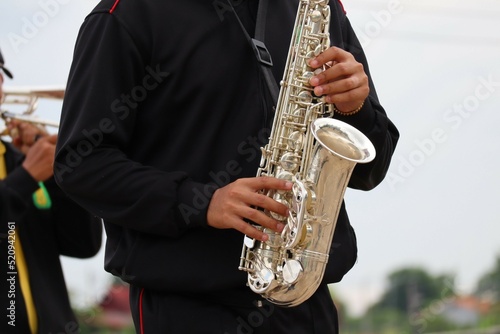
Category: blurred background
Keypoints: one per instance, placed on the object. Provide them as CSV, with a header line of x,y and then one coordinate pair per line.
x,y
428,236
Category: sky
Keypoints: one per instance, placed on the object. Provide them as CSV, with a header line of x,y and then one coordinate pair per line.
x,y
436,68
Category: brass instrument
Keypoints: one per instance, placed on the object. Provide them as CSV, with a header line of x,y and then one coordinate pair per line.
x,y
28,98
315,152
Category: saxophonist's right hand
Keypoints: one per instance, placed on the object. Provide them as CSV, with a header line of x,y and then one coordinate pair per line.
x,y
239,201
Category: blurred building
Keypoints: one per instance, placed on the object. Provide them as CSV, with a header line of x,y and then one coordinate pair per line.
x,y
466,310
113,312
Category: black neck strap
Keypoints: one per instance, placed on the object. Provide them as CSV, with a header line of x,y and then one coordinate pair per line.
x,y
261,53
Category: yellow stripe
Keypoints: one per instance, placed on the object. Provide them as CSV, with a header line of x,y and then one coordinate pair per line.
x,y
3,168
22,268
22,272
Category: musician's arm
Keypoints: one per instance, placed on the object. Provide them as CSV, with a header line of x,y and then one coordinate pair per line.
x,y
91,163
78,233
372,120
16,194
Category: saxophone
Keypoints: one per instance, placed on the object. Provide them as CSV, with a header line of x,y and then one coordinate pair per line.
x,y
317,154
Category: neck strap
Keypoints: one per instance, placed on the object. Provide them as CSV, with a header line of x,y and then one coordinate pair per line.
x,y
261,53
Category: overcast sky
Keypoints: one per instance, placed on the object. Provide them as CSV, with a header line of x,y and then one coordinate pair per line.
x,y
436,68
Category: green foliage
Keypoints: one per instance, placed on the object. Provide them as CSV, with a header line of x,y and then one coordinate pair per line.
x,y
489,284
379,321
414,301
492,317
89,324
410,289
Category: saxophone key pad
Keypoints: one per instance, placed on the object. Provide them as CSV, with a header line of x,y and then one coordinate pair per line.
x,y
291,271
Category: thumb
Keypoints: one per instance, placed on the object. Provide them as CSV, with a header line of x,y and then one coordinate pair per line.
x,y
52,139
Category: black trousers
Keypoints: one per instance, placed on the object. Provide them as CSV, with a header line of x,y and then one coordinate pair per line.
x,y
168,313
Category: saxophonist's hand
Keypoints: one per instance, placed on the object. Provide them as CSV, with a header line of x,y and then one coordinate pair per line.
x,y
233,204
343,83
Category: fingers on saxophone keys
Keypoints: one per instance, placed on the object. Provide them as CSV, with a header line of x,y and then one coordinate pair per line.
x,y
254,233
260,218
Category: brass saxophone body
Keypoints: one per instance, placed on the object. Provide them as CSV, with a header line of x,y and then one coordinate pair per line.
x,y
316,153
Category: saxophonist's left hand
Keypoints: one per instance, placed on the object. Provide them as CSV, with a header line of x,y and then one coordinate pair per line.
x,y
344,82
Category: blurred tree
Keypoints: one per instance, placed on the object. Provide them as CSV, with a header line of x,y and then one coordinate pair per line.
x,y
489,284
408,304
377,321
411,289
414,302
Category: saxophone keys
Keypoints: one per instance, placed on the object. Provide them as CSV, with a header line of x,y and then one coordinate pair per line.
x,y
318,70
261,280
305,236
306,76
291,271
315,50
318,49
316,16
323,3
289,162
326,13
298,115
279,198
304,97
296,140
311,203
284,175
249,242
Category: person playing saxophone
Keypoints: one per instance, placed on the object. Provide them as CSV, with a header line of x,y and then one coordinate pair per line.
x,y
164,115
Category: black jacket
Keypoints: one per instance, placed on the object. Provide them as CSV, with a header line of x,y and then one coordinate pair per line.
x,y
64,229
164,104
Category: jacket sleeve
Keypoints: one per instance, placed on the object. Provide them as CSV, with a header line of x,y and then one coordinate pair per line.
x,y
15,194
78,233
372,120
91,163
